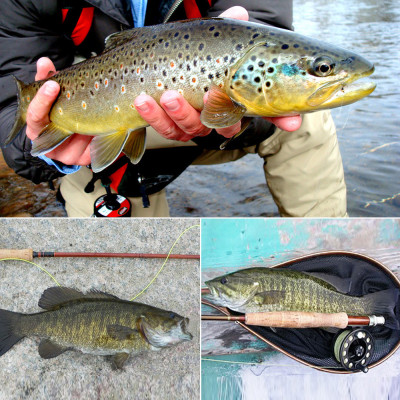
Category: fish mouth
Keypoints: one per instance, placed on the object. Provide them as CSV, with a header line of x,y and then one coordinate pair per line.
x,y
350,91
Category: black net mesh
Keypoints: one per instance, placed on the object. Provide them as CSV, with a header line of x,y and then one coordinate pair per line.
x,y
359,277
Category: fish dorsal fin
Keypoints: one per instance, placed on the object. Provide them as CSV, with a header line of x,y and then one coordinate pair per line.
x,y
332,282
117,39
220,110
56,297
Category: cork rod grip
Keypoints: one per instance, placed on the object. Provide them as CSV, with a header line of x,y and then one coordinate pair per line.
x,y
26,254
294,319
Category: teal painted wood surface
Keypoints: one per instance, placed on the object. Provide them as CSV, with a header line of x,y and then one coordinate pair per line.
x,y
231,244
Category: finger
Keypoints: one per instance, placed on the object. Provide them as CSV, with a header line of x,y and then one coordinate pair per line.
x,y
236,12
155,116
289,124
183,114
230,131
38,111
45,68
74,151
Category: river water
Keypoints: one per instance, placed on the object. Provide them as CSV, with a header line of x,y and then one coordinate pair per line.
x,y
368,131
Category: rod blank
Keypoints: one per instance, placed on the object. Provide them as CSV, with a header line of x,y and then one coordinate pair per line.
x,y
29,254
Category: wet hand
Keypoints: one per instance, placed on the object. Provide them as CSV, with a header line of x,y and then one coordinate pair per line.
x,y
75,150
176,119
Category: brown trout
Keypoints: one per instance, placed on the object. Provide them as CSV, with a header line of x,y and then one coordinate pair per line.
x,y
248,70
96,323
274,289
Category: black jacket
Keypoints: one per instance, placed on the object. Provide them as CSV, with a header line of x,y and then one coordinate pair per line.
x,y
30,29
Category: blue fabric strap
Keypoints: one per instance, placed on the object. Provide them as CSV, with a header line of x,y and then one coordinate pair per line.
x,y
138,8
65,169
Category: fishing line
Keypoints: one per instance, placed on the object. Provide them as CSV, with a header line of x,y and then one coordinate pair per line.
x,y
36,265
133,298
164,263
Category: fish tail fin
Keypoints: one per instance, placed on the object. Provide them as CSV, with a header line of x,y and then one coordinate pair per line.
x,y
20,120
8,337
384,303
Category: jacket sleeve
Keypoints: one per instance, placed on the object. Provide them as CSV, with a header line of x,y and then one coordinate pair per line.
x,y
278,13
28,30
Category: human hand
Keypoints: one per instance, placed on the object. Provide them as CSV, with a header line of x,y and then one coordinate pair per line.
x,y
176,119
73,151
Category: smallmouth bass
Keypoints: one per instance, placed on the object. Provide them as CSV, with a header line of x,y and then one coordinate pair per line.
x,y
248,70
275,289
97,323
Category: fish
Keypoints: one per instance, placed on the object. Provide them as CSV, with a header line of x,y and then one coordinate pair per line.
x,y
96,323
247,70
281,289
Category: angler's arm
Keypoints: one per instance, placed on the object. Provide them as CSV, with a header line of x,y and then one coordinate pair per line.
x,y
26,32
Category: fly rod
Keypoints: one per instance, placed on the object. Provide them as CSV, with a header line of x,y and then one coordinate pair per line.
x,y
29,254
299,319
294,319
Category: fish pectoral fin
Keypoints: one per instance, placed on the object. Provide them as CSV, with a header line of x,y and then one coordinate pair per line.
x,y
56,297
118,360
104,150
220,110
49,349
270,297
120,332
245,124
50,137
135,145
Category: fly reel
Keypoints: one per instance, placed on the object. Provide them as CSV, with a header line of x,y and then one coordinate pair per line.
x,y
353,349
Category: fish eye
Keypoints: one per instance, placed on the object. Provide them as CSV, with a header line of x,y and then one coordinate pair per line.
x,y
323,66
172,315
224,280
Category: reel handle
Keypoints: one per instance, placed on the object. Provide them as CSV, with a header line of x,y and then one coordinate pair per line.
x,y
25,254
295,319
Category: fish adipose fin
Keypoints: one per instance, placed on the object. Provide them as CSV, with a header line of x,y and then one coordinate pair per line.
x,y
48,349
50,137
384,303
270,297
56,297
220,110
120,332
135,145
119,359
8,336
104,150
19,122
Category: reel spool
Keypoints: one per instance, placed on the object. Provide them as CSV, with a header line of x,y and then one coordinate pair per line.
x,y
354,349
112,205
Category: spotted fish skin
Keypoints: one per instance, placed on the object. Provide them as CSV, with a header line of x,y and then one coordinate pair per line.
x,y
283,289
96,323
248,70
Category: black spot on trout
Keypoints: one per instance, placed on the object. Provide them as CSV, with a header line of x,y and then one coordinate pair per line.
x,y
96,322
117,129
